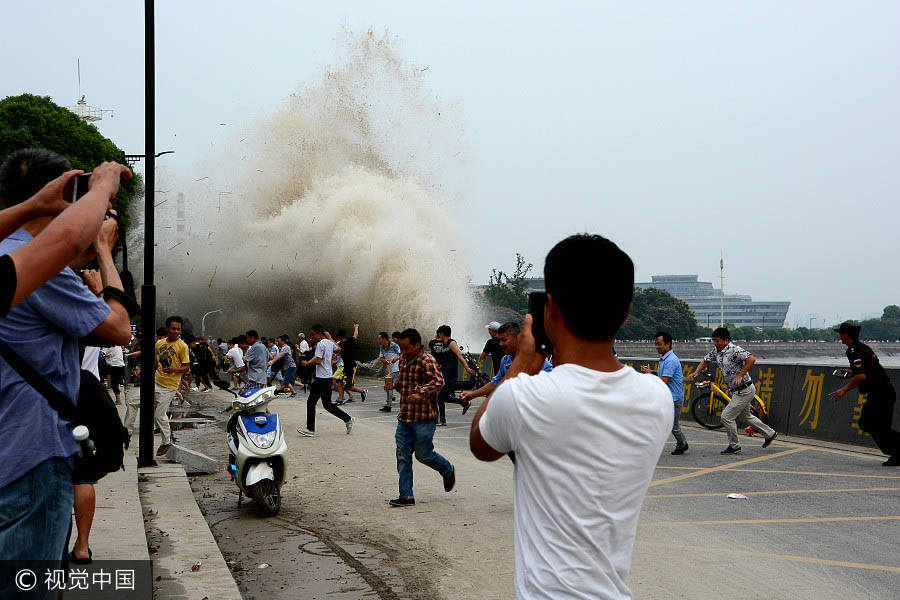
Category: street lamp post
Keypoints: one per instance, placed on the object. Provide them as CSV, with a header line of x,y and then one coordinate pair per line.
x,y
148,289
203,321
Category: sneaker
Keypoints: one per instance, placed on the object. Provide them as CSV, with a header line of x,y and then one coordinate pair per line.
x,y
769,440
466,405
348,401
350,424
195,389
681,450
364,393
306,432
730,450
442,424
207,390
385,409
402,502
294,395
893,461
450,480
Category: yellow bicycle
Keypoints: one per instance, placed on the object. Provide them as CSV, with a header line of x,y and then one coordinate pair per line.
x,y
711,399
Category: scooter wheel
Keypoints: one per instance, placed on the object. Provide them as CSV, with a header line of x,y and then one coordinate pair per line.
x,y
267,497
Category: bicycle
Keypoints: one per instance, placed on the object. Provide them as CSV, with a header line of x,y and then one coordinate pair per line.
x,y
707,407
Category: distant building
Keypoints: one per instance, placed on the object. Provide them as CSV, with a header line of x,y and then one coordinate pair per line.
x,y
706,301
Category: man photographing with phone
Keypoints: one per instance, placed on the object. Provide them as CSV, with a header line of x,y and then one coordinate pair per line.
x,y
586,435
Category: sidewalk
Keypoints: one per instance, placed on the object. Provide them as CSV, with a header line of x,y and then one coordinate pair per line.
x,y
150,514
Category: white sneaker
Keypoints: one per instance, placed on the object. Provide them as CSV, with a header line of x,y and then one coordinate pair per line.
x,y
195,389
206,391
306,432
350,424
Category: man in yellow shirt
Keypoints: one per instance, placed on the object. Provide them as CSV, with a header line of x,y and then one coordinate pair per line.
x,y
173,361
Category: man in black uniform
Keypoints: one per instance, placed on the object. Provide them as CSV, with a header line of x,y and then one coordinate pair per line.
x,y
877,413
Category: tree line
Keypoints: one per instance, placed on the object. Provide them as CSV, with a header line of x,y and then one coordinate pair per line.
x,y
654,309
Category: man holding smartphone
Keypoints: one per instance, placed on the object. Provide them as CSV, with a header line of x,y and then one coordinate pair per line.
x,y
669,372
586,435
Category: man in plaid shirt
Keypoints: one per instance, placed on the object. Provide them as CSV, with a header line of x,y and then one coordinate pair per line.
x,y
418,383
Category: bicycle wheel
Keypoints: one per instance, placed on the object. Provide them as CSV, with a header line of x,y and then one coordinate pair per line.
x,y
709,416
758,412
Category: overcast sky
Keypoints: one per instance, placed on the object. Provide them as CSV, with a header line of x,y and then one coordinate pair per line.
x,y
765,130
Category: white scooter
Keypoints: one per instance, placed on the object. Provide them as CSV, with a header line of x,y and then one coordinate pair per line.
x,y
257,451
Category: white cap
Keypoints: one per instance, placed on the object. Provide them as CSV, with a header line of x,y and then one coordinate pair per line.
x,y
300,335
493,326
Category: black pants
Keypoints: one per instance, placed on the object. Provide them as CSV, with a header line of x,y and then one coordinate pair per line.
x,y
321,388
115,374
876,417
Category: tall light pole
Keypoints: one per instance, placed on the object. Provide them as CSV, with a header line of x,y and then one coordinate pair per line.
x,y
203,321
722,289
148,289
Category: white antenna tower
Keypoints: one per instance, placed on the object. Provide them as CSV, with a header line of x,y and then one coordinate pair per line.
x,y
81,108
722,289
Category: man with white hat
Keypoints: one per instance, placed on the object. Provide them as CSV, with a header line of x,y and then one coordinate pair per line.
x,y
493,347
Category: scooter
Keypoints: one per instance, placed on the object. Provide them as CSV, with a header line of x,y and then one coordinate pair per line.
x,y
257,451
474,382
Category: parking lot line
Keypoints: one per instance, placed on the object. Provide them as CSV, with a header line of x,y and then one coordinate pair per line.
x,y
795,520
725,467
815,473
774,492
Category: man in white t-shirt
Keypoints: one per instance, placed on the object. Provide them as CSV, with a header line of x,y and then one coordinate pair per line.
x,y
321,385
586,435
303,373
236,357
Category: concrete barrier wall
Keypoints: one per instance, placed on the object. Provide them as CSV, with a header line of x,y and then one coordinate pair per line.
x,y
797,398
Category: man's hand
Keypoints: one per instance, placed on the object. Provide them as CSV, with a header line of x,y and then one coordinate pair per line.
x,y
93,280
527,359
465,396
471,371
54,197
109,233
691,376
107,175
837,394
645,369
737,380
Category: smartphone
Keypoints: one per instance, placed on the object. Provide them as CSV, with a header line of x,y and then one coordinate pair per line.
x,y
81,186
536,303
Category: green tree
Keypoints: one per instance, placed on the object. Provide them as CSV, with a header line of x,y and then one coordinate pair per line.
x,y
891,311
29,121
510,292
652,310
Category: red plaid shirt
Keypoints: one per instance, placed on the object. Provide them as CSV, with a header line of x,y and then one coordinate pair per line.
x,y
419,375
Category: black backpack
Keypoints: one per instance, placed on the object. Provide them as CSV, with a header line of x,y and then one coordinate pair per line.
x,y
95,410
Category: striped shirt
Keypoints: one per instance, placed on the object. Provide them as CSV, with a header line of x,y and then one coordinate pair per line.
x,y
420,375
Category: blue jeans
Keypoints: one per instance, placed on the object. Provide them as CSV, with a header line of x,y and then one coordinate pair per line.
x,y
417,437
36,511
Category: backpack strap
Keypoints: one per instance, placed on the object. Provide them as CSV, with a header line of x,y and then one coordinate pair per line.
x,y
56,399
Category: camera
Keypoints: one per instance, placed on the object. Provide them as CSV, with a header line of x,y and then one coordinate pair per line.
x,y
80,187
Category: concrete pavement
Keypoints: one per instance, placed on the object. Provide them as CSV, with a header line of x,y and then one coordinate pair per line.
x,y
821,520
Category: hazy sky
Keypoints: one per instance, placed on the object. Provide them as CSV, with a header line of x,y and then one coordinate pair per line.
x,y
766,130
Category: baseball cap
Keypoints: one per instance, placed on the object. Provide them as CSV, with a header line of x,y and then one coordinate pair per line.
x,y
493,326
849,327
